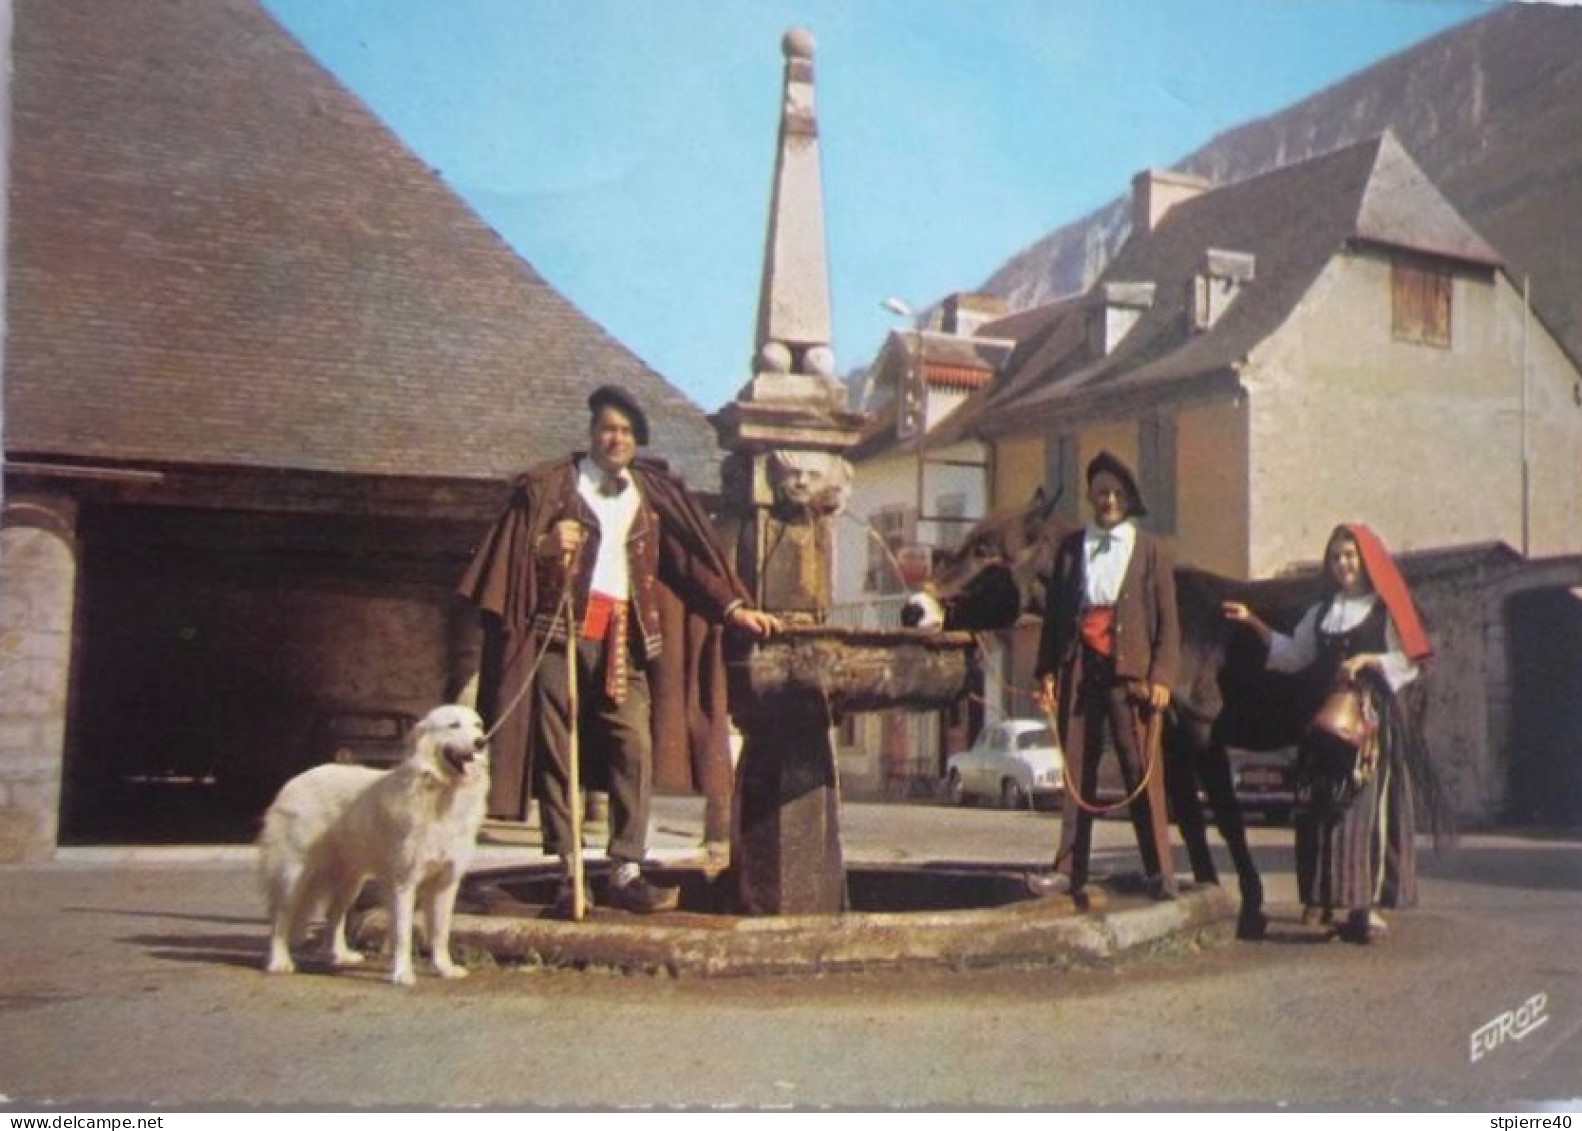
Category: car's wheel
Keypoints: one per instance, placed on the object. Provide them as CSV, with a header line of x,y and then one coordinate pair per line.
x,y
1012,795
954,793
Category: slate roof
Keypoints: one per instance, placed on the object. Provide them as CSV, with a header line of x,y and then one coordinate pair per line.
x,y
1438,561
219,257
1293,220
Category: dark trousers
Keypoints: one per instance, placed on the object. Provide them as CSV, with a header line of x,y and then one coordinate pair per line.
x,y
619,736
1096,702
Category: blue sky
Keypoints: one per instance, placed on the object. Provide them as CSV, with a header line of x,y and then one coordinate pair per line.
x,y
625,148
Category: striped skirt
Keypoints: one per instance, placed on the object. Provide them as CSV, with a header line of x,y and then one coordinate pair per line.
x,y
1363,855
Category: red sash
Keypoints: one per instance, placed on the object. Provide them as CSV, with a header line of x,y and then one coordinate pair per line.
x,y
601,608
1098,628
606,621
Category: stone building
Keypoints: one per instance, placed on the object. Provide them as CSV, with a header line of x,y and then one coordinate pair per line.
x,y
1329,341
266,379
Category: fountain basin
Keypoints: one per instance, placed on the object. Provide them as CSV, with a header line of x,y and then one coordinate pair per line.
x,y
952,916
850,669
786,694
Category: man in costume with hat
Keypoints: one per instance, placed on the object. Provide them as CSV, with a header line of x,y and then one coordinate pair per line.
x,y
590,541
1107,657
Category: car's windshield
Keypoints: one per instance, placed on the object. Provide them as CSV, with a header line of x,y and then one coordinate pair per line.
x,y
1031,738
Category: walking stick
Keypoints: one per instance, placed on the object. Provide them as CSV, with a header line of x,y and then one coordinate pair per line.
x,y
579,900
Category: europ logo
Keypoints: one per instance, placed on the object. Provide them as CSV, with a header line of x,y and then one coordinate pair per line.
x,y
1512,1025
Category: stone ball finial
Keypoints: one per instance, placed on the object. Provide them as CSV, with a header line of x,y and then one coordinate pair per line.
x,y
774,357
798,44
820,361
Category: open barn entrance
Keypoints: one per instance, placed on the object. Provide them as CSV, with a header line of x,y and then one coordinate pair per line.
x,y
1545,627
220,653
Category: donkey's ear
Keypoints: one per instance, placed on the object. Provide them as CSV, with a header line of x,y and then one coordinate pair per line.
x,y
1044,503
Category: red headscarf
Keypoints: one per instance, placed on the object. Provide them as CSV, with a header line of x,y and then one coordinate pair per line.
x,y
1391,588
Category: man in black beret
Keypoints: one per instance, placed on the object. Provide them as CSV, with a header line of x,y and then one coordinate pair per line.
x,y
615,530
1107,656
613,396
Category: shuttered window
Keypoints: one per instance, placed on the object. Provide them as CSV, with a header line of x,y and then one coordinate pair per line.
x,y
1156,470
1063,476
1420,299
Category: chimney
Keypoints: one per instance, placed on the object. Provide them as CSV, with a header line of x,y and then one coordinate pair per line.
x,y
1116,309
965,312
1157,191
1211,291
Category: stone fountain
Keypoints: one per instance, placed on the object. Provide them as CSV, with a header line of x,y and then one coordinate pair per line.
x,y
786,901
786,479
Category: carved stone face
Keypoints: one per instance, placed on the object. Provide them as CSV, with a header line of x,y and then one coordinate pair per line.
x,y
814,483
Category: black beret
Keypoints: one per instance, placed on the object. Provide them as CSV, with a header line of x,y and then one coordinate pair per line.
x,y
618,398
1105,461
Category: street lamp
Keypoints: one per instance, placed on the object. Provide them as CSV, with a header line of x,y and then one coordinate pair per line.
x,y
911,407
916,559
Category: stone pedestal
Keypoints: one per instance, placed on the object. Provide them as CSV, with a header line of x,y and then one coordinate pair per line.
x,y
785,481
785,845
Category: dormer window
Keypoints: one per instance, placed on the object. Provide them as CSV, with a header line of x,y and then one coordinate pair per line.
x,y
1218,282
1115,310
1420,295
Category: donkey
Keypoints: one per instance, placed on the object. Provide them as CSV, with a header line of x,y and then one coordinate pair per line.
x,y
1223,697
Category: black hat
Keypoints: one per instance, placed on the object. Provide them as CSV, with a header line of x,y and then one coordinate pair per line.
x,y
1104,461
618,398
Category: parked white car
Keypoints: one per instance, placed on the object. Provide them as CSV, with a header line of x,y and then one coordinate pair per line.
x,y
1016,762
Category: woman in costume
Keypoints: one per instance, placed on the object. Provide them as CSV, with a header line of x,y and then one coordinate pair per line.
x,y
1356,812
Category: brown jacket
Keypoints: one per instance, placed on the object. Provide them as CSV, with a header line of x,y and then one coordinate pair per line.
x,y
675,562
671,541
1147,630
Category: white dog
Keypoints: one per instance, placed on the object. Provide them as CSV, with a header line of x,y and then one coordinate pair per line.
x,y
413,828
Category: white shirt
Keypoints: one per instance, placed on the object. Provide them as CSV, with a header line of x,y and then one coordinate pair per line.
x,y
1296,652
616,513
1106,554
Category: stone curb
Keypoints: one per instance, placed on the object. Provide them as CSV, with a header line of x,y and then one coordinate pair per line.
x,y
1046,931
484,857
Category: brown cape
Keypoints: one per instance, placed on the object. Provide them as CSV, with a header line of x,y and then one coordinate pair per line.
x,y
690,716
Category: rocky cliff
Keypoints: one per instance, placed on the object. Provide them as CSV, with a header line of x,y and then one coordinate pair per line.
x,y
1492,111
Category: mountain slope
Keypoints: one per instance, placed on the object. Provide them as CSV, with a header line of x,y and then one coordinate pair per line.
x,y
1491,110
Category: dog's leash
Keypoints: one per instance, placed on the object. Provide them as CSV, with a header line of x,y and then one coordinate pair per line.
x,y
563,614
